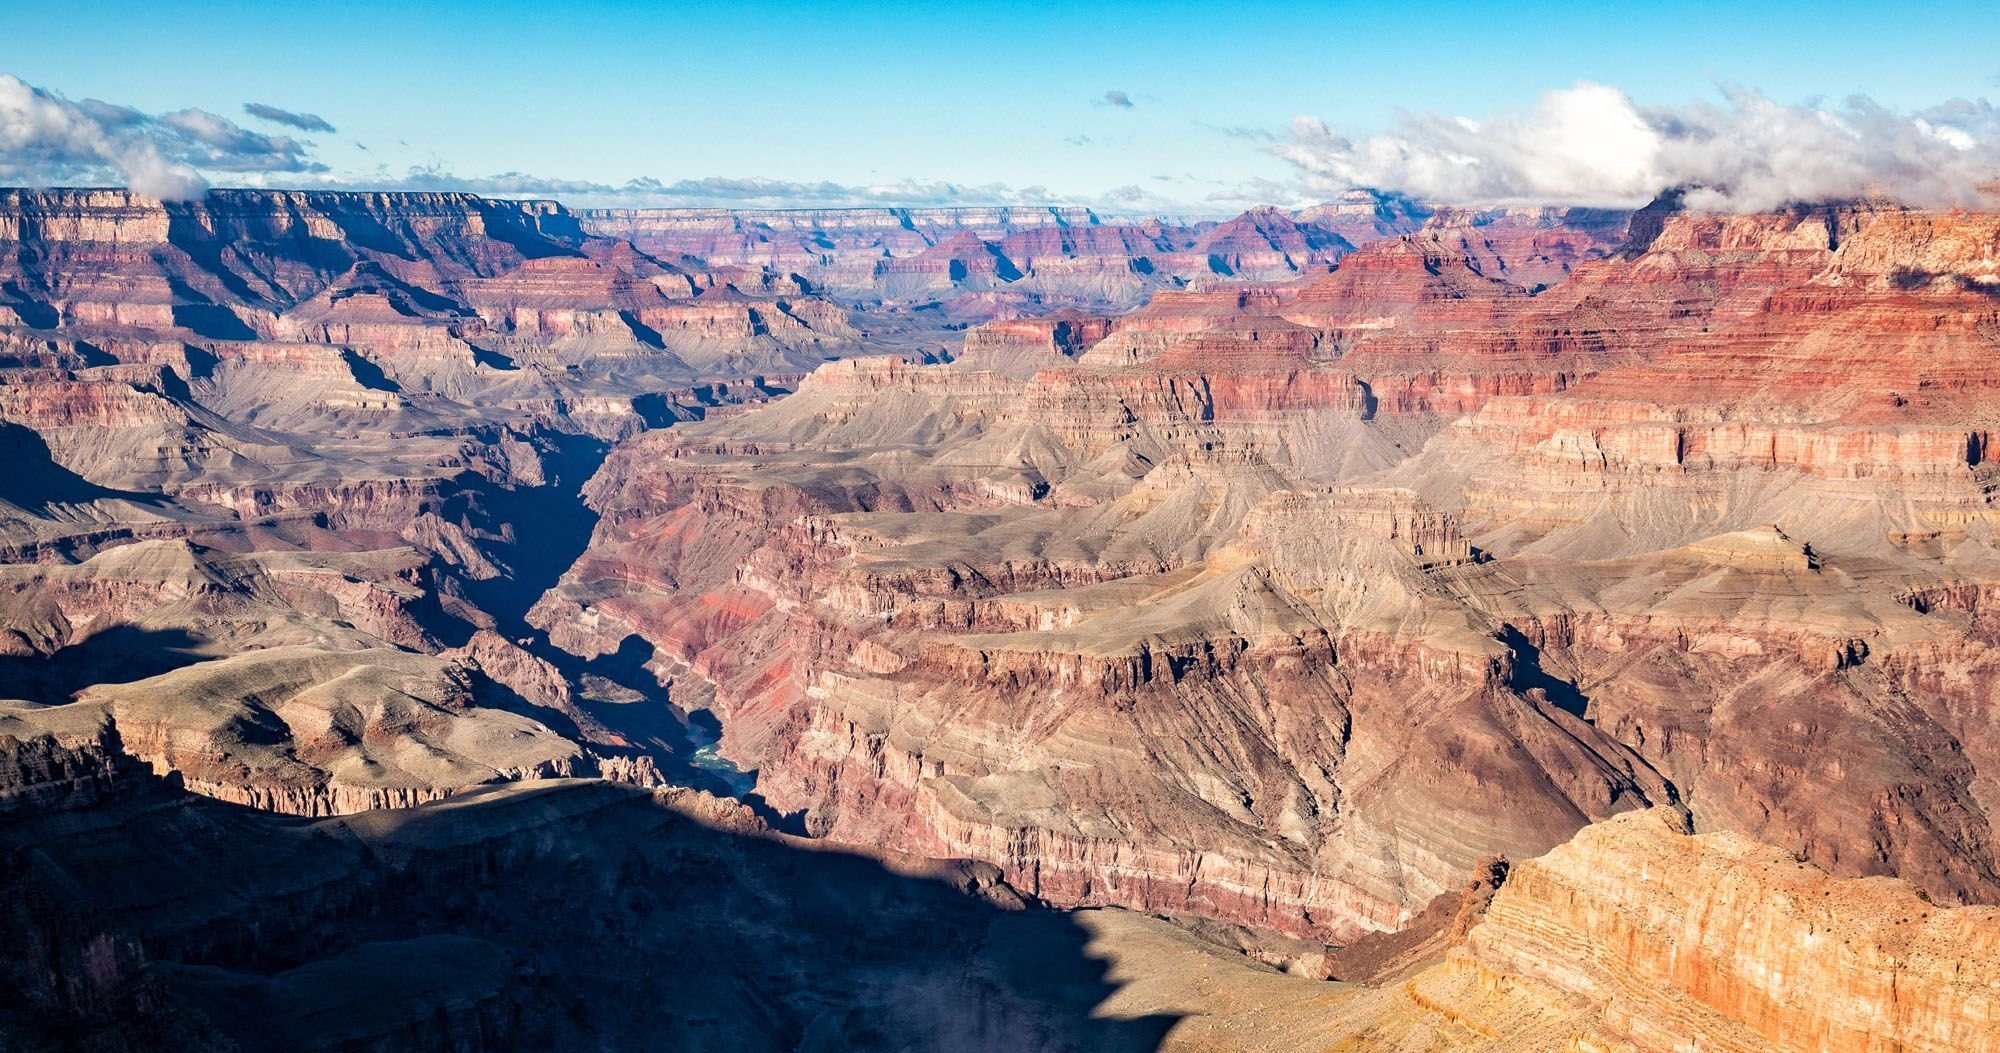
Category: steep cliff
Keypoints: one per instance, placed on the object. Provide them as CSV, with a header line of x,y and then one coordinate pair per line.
x,y
1287,604
1638,936
140,917
267,445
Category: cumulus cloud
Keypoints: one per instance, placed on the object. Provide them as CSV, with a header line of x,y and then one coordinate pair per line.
x,y
46,138
305,122
216,143
1118,99
1593,145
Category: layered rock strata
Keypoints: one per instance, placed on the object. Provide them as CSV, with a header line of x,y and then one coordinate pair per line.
x,y
1287,604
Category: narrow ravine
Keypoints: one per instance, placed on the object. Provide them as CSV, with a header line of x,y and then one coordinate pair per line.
x,y
553,525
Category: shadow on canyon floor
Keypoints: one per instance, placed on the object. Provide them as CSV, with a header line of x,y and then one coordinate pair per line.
x,y
36,482
117,655
552,527
557,915
1527,674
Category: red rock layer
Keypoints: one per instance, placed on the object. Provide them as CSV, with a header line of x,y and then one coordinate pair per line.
x,y
1108,627
1716,942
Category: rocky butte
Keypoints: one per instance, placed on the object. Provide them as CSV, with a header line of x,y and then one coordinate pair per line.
x,y
1378,626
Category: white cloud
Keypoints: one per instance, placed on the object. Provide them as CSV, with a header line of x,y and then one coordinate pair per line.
x,y
305,122
46,138
1592,145
217,143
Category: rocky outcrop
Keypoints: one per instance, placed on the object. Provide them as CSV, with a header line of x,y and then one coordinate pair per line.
x,y
1635,936
46,773
1712,941
1020,348
1001,262
1287,604
1281,604
148,916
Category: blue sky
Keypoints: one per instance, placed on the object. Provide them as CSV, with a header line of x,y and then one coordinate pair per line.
x,y
976,95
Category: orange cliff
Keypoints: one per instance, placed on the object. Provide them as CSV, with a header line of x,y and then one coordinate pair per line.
x,y
1637,936
1285,604
1715,942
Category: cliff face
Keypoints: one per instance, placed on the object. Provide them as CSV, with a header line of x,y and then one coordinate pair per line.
x,y
267,445
1284,601
1288,603
1016,260
1717,942
139,916
1635,936
1638,936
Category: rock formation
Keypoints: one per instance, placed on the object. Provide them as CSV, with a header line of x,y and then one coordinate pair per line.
x,y
142,916
1270,575
289,467
1287,604
299,438
1639,936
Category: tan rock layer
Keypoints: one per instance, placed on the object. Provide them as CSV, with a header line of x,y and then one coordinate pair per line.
x,y
1713,941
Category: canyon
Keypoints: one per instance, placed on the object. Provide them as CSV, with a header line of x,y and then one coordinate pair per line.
x,y
1375,626
1286,605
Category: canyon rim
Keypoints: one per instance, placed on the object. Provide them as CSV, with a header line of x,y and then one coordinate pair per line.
x,y
1278,529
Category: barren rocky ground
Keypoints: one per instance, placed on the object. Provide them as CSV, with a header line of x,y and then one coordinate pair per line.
x,y
437,622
